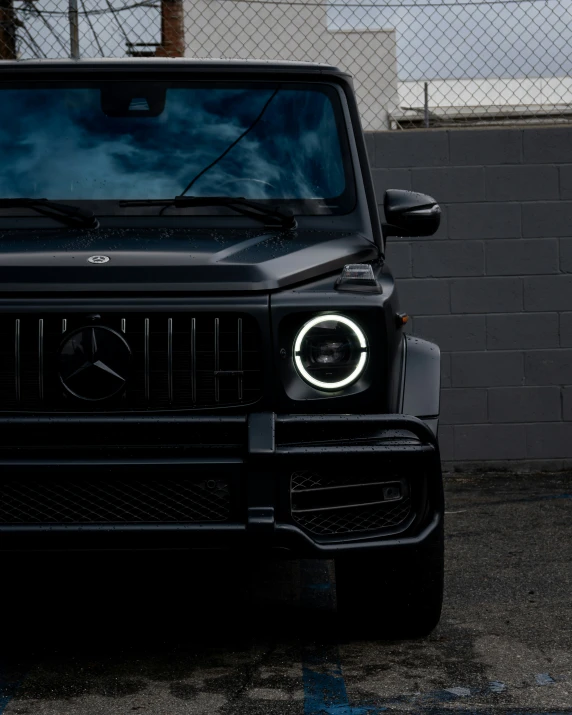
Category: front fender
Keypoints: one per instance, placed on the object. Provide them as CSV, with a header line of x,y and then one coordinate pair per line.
x,y
421,380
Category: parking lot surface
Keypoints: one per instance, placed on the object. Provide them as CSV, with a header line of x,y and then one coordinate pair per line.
x,y
167,634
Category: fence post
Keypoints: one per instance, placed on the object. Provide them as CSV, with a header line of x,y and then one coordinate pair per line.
x,y
74,30
172,29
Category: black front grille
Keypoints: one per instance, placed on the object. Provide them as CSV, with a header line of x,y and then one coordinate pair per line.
x,y
118,502
179,361
329,505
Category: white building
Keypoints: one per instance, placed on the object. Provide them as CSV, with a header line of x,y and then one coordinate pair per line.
x,y
235,29
484,101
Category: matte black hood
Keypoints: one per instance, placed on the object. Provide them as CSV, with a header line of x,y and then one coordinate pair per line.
x,y
160,260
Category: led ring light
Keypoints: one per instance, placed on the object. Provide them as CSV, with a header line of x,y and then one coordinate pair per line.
x,y
361,362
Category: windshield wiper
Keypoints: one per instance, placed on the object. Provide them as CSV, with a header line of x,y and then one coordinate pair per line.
x,y
283,217
71,216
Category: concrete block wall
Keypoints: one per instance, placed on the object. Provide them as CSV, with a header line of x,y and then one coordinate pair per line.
x,y
493,287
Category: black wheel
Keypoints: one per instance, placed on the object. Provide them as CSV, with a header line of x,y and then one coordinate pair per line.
x,y
391,596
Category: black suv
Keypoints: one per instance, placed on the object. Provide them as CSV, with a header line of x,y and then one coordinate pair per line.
x,y
201,343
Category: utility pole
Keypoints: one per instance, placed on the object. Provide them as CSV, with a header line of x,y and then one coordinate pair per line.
x,y
8,24
172,29
74,29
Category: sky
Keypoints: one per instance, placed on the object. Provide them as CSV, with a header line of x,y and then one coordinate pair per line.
x,y
435,38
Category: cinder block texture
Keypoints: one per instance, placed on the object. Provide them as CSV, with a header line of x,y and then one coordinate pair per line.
x,y
524,404
451,184
567,403
549,440
384,179
565,181
434,259
521,183
453,332
484,220
481,147
494,287
487,369
548,293
548,367
522,258
547,145
424,297
546,218
565,251
565,330
445,369
463,406
520,331
488,442
486,295
412,148
398,257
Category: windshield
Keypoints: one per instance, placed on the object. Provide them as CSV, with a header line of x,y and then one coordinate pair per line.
x,y
112,141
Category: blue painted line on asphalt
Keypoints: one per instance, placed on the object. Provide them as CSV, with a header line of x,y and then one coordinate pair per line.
x,y
324,686
325,690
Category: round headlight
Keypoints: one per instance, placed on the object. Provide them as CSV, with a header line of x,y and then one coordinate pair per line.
x,y
330,351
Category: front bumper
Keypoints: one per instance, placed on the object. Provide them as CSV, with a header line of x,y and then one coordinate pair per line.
x,y
254,457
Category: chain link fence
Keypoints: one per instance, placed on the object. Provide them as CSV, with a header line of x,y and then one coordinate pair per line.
x,y
416,63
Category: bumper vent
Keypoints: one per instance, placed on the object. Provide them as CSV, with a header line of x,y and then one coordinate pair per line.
x,y
329,506
177,361
99,502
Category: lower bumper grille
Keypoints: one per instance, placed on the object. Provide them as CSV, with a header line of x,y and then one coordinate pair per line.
x,y
129,502
332,505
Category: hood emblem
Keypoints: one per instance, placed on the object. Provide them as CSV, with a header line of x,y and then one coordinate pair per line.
x,y
94,363
98,259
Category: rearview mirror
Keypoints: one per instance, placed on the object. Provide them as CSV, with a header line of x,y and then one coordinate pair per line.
x,y
410,214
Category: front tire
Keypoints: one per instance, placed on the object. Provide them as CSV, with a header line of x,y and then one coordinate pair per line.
x,y
398,595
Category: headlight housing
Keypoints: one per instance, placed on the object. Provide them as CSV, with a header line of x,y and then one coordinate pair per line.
x,y
330,352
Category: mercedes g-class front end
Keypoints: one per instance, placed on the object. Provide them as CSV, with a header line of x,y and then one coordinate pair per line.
x,y
201,344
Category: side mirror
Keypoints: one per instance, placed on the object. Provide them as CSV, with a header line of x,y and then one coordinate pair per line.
x,y
410,214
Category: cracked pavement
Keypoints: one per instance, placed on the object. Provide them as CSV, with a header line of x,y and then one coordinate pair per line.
x,y
172,634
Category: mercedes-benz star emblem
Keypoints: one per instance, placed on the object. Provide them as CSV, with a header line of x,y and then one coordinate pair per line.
x,y
94,363
98,259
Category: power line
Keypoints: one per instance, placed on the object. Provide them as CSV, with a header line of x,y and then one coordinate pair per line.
x,y
295,3
93,32
118,22
32,44
31,7
98,11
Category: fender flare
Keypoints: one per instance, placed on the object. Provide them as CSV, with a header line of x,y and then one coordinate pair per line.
x,y
421,379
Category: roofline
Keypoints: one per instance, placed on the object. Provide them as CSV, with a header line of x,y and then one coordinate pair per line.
x,y
176,63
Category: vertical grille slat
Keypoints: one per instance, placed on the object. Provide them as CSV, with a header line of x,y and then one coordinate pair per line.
x,y
239,361
41,358
17,359
146,359
194,360
170,358
179,361
217,359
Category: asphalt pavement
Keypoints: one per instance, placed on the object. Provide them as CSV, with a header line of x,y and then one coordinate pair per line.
x,y
166,634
